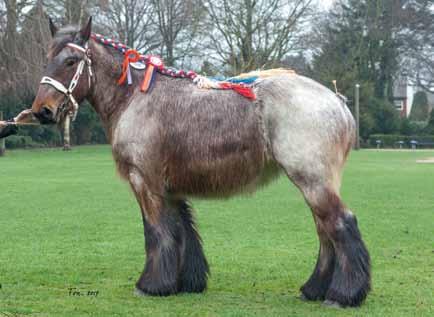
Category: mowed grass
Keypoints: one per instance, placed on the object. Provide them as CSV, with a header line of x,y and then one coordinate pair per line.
x,y
67,221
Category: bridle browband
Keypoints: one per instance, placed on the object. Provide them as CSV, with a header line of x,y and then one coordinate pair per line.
x,y
69,98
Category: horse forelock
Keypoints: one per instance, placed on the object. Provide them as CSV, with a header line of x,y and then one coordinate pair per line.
x,y
107,56
63,36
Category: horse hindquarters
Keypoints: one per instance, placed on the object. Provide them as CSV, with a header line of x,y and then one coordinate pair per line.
x,y
311,136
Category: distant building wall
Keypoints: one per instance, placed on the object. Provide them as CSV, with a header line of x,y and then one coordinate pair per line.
x,y
400,96
410,98
430,100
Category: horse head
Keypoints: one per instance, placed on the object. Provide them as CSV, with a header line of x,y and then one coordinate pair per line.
x,y
65,83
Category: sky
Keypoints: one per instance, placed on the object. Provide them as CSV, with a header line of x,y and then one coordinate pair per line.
x,y
325,3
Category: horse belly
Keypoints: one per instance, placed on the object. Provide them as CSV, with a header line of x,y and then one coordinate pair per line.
x,y
219,171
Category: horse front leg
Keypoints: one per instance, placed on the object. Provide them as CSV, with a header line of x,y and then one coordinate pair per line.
x,y
162,230
194,266
160,275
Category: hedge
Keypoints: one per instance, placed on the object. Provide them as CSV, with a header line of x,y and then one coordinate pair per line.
x,y
21,141
391,140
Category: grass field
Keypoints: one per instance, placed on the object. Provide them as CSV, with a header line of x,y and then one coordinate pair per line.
x,y
68,225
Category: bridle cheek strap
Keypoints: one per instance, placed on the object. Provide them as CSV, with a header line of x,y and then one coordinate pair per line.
x,y
74,82
67,92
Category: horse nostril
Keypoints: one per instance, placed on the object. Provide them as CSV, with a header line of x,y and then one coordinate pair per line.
x,y
47,113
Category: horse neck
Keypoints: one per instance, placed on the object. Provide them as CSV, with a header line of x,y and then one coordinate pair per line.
x,y
106,96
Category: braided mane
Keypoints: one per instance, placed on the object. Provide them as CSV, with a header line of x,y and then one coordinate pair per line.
x,y
168,71
242,83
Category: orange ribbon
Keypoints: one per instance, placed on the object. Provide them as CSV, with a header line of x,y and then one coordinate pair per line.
x,y
131,56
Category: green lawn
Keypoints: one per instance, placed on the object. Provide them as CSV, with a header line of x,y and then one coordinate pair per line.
x,y
67,221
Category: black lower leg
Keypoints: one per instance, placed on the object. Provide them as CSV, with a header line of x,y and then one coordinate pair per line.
x,y
160,277
351,280
318,284
194,268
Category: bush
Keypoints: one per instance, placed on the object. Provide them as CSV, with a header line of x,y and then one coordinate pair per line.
x,y
429,129
391,140
21,141
385,115
419,109
408,127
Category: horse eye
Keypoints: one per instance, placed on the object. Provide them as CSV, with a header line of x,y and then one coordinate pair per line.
x,y
70,62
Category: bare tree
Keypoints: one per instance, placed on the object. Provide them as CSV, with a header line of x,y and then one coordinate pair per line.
x,y
178,26
75,12
131,21
249,34
416,34
23,46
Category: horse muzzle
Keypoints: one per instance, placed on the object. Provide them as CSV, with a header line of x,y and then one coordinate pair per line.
x,y
45,115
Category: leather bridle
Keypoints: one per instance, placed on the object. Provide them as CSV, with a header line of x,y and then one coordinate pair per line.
x,y
69,98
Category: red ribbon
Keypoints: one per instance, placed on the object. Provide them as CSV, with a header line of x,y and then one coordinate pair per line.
x,y
152,64
156,61
239,88
131,56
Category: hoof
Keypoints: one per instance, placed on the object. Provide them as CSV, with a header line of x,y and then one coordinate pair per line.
x,y
155,290
331,304
139,293
193,286
303,298
350,299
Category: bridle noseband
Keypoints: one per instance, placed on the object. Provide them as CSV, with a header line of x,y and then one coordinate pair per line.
x,y
69,98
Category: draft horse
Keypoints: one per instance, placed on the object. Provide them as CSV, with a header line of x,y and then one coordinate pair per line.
x,y
178,141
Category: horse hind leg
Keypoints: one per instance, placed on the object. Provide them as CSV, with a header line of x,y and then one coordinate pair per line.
x,y
317,285
342,272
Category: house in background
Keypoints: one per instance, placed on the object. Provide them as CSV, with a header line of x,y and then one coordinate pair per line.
x,y
403,95
430,100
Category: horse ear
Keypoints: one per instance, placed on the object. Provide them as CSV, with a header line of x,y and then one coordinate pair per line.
x,y
53,28
86,31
